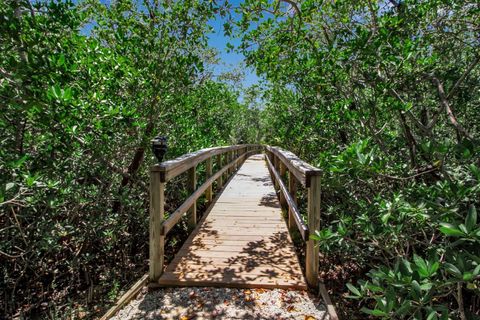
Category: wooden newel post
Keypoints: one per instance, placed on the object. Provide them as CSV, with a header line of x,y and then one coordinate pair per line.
x,y
312,257
191,187
157,239
208,169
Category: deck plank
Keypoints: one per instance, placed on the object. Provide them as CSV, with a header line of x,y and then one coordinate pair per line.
x,y
242,242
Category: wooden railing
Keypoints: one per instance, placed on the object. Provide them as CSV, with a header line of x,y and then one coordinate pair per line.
x,y
228,159
282,163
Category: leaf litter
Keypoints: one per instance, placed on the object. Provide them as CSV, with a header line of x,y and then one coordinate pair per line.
x,y
223,303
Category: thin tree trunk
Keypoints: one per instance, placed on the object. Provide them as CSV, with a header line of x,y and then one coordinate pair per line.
x,y
411,143
135,164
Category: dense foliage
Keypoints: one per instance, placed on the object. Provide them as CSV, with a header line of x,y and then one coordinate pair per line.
x,y
383,96
84,87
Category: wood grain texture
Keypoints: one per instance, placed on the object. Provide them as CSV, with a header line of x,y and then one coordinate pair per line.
x,y
208,172
242,242
219,165
191,187
292,190
173,168
312,249
293,209
178,213
302,170
157,239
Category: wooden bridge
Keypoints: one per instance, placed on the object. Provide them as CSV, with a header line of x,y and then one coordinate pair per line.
x,y
242,240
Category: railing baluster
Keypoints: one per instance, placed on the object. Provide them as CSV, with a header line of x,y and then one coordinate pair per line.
x,y
275,165
208,170
157,239
292,189
282,170
219,166
191,187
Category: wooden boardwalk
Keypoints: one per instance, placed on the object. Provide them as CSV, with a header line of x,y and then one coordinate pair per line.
x,y
243,241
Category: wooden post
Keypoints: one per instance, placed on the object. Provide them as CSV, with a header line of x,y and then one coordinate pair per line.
x,y
235,157
275,165
311,254
269,156
208,169
191,186
282,172
219,165
157,240
229,157
292,189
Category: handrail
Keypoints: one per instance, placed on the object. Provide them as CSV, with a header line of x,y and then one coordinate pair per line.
x,y
309,177
177,214
302,227
228,158
300,169
172,168
161,173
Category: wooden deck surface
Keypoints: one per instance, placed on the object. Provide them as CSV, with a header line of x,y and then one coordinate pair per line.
x,y
242,242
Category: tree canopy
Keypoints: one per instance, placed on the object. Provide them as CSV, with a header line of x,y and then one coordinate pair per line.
x,y
382,96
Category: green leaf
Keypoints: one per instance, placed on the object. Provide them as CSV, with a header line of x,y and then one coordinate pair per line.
x,y
416,288
463,228
433,267
476,271
432,315
374,288
18,163
453,270
475,171
471,220
421,266
385,217
426,286
354,290
467,276
408,267
375,312
450,230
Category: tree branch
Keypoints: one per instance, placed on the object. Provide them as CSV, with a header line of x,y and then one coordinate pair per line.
x,y
444,102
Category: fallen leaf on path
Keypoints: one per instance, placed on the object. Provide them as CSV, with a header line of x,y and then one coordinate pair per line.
x,y
310,318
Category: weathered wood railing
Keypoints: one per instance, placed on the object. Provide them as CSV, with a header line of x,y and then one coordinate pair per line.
x,y
228,159
281,162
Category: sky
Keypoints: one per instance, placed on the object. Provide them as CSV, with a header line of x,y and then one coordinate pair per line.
x,y
229,60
